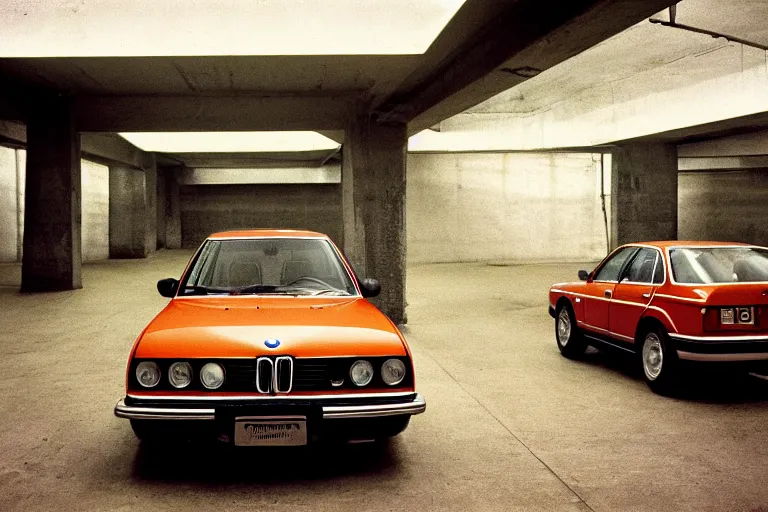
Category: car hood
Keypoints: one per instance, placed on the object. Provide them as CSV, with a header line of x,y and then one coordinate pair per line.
x,y
213,327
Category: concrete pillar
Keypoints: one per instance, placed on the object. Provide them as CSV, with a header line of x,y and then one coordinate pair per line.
x,y
127,212
644,193
373,208
150,199
172,211
161,200
21,166
52,259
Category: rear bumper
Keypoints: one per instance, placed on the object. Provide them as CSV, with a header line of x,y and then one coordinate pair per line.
x,y
324,409
721,348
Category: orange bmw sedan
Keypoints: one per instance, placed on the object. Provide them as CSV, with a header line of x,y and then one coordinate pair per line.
x,y
268,340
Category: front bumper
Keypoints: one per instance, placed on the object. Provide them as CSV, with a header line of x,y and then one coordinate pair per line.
x,y
721,348
325,408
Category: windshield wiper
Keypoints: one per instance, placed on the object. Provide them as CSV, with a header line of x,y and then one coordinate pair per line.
x,y
197,288
330,290
255,288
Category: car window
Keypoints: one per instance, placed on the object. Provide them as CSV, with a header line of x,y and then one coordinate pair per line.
x,y
610,270
658,274
294,266
641,269
702,265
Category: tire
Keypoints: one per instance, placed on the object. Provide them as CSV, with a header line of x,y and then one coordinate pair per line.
x,y
568,336
658,360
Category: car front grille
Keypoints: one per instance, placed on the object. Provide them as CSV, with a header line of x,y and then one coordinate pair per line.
x,y
308,375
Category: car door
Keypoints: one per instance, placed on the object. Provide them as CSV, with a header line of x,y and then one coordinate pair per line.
x,y
634,291
600,287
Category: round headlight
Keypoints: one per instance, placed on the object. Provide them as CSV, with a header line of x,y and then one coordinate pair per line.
x,y
180,375
393,371
361,373
212,375
148,374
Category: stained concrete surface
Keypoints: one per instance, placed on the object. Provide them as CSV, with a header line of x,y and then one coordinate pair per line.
x,y
510,424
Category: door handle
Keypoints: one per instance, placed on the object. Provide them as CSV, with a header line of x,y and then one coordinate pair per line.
x,y
608,294
647,295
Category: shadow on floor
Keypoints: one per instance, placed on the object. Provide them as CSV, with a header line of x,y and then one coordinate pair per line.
x,y
706,383
215,463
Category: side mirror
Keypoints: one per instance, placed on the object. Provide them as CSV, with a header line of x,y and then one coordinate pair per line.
x,y
370,287
168,287
583,275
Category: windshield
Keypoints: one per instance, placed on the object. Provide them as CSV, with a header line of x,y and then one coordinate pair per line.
x,y
268,266
702,265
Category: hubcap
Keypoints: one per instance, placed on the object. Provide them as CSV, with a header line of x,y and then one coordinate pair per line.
x,y
563,327
653,356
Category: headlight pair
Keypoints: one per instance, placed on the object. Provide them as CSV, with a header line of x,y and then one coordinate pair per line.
x,y
392,372
180,375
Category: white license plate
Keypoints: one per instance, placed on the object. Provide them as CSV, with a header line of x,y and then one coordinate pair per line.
x,y
268,431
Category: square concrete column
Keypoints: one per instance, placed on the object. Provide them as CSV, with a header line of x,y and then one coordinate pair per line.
x,y
150,199
644,193
161,200
172,210
127,212
373,208
52,256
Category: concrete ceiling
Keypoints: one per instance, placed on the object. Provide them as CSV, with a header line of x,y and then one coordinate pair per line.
x,y
643,47
473,59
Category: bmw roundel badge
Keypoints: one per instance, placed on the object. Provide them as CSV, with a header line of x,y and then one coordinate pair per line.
x,y
272,343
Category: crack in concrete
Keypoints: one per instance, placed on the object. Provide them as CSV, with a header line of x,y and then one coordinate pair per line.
x,y
505,427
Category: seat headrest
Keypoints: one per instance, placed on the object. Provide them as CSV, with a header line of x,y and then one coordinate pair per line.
x,y
244,273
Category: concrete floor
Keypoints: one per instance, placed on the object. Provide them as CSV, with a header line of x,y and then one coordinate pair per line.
x,y
510,424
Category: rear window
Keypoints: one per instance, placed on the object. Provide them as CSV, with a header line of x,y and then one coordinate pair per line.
x,y
706,265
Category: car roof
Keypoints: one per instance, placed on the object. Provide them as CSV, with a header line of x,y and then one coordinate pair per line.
x,y
267,233
690,243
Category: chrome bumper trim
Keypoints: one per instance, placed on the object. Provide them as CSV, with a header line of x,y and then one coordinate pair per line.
x,y
709,339
417,406
261,397
161,413
693,356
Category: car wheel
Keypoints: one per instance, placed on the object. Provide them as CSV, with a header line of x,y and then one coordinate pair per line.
x,y
658,360
568,336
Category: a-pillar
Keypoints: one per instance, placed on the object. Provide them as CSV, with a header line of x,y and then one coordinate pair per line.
x,y
52,255
127,212
373,206
172,210
644,193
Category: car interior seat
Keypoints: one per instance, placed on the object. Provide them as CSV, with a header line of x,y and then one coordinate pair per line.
x,y
244,273
645,274
750,269
714,268
293,270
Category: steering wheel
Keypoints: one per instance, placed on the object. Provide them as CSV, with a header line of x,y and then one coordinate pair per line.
x,y
311,280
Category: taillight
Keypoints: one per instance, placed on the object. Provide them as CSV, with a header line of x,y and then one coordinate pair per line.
x,y
712,319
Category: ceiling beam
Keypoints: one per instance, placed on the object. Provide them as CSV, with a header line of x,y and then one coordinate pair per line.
x,y
212,113
522,38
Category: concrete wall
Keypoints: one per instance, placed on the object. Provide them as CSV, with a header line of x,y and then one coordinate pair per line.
x,y
504,207
8,205
206,209
724,205
95,201
95,207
